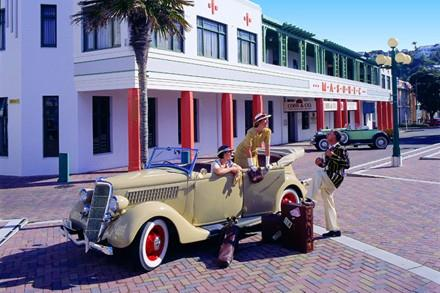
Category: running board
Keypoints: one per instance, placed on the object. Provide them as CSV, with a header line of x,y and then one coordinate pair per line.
x,y
216,229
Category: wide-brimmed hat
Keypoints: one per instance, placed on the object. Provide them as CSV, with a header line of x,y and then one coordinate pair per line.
x,y
261,116
223,149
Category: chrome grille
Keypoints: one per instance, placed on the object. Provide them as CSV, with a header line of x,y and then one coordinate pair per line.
x,y
157,194
98,207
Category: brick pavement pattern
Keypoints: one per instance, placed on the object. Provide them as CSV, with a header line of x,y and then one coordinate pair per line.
x,y
38,258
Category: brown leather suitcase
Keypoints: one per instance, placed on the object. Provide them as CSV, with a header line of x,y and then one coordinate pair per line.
x,y
298,226
227,248
271,227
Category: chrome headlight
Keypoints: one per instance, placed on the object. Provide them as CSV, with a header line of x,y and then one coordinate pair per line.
x,y
85,195
117,203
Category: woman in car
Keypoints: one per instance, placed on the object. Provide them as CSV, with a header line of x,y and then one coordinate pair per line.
x,y
224,165
246,155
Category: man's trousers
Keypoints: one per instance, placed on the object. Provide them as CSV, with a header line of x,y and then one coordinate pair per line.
x,y
322,184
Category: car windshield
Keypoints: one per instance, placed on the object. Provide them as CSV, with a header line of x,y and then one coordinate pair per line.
x,y
182,159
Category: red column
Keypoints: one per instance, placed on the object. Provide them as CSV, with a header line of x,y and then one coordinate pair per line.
x,y
390,115
319,113
357,115
378,115
385,115
187,119
338,115
257,105
227,120
134,143
345,114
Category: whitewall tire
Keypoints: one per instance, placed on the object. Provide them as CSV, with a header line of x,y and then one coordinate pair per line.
x,y
153,244
289,195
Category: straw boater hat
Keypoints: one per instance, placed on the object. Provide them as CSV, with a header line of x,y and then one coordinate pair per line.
x,y
261,116
223,149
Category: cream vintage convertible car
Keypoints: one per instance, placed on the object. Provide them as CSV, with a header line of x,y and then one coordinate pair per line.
x,y
175,199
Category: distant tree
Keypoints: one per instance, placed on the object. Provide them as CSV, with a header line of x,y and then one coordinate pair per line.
x,y
427,86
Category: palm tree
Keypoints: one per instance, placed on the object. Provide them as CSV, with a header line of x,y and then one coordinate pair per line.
x,y
144,17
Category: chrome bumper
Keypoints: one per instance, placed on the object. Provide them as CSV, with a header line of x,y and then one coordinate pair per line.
x,y
65,231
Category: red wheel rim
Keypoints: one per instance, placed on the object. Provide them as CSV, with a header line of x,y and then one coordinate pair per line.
x,y
289,197
155,243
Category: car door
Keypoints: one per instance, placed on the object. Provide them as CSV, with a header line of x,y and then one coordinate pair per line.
x,y
216,198
260,197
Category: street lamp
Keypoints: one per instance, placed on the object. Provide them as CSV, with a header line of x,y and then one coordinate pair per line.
x,y
392,63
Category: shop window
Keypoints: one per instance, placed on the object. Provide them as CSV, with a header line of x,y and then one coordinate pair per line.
x,y
50,126
249,120
305,120
3,127
152,122
101,125
270,112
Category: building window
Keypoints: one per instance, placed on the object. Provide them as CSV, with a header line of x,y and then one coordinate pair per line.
x,y
2,30
167,41
105,37
101,125
383,81
249,120
270,112
48,26
196,120
211,38
388,82
247,47
4,127
305,120
234,117
50,126
152,122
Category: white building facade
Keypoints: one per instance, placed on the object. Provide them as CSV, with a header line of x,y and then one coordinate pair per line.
x,y
66,91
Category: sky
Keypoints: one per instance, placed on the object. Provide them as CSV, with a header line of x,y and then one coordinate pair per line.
x,y
361,25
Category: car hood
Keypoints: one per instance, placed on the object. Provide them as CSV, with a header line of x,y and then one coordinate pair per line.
x,y
147,177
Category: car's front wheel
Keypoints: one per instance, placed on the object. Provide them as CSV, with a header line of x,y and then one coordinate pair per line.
x,y
344,138
289,195
152,245
380,142
322,144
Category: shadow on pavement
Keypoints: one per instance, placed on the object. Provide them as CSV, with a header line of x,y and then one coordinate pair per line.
x,y
64,265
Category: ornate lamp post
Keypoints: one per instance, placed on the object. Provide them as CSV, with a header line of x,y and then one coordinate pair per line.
x,y
392,63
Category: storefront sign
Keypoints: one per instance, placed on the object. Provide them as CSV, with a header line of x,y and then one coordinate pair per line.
x,y
330,105
299,105
337,88
351,106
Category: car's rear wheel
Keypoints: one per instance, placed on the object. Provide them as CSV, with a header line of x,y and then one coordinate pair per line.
x,y
152,245
380,142
322,144
289,195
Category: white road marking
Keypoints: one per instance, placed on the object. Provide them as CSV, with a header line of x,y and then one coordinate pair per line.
x,y
404,156
45,222
362,173
401,262
431,156
11,227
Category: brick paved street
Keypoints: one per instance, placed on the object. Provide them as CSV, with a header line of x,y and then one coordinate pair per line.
x,y
400,217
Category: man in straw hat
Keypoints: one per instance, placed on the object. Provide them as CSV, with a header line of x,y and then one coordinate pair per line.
x,y
246,154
